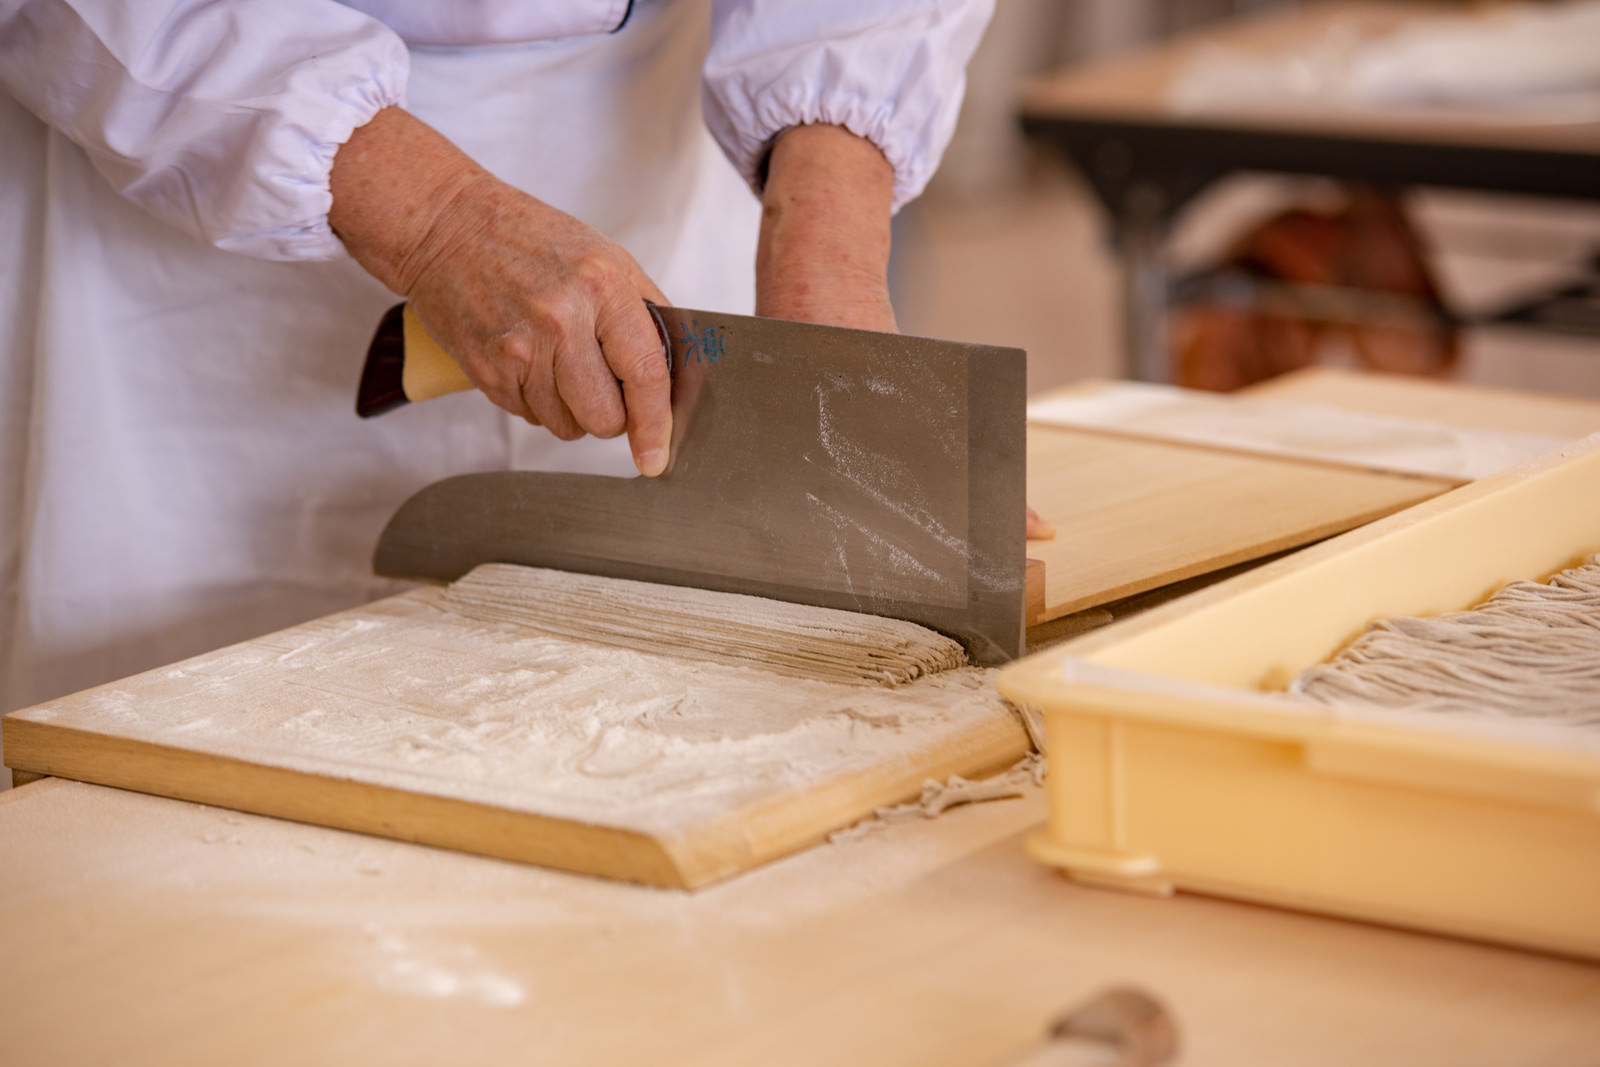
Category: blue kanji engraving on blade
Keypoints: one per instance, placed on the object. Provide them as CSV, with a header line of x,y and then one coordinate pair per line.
x,y
702,344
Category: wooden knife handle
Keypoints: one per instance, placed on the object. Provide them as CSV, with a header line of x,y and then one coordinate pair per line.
x,y
405,365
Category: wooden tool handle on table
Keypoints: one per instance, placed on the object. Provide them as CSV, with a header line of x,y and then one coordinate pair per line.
x,y
405,365
1119,1027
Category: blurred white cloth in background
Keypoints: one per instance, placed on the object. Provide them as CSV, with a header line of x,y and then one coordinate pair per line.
x,y
1521,63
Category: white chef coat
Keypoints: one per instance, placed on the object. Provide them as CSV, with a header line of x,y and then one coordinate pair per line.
x,y
181,332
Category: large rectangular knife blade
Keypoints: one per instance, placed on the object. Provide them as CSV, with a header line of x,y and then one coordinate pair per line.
x,y
845,468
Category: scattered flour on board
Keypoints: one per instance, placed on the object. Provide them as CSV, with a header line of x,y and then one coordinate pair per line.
x,y
407,694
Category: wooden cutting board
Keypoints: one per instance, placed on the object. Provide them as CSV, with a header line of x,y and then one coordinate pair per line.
x,y
408,720
1132,515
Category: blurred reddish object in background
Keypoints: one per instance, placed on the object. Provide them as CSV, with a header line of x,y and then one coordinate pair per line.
x,y
1368,245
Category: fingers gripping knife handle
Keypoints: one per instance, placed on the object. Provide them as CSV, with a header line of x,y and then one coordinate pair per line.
x,y
405,365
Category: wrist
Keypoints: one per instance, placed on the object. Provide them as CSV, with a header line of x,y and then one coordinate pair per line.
x,y
824,249
394,183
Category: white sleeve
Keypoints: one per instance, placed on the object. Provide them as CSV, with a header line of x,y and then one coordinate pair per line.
x,y
220,117
892,71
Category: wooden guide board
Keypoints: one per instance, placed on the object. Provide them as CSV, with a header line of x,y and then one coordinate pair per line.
x,y
1133,515
407,720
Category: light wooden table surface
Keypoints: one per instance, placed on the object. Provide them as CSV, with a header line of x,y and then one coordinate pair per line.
x,y
139,930
146,931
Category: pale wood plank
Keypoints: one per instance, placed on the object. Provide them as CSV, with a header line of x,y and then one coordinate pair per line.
x,y
1134,515
1279,426
1473,407
431,727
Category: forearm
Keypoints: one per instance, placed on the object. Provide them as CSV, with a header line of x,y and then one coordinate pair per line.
x,y
823,255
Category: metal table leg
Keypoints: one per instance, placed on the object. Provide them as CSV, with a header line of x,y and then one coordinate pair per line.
x,y
1141,232
1141,189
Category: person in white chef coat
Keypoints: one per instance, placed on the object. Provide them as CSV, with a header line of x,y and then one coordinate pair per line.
x,y
208,205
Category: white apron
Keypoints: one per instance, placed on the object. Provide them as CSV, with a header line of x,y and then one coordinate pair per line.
x,y
180,463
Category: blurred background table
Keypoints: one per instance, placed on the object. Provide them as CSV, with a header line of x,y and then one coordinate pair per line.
x,y
1145,160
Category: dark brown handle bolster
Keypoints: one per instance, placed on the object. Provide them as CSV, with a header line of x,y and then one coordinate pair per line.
x,y
382,377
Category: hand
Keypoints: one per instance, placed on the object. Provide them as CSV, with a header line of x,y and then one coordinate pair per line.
x,y
547,317
1038,528
544,314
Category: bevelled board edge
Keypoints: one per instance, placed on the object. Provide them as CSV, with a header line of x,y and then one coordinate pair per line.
x,y
340,803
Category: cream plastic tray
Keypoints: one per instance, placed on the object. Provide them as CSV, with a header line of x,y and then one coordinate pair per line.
x,y
1177,761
